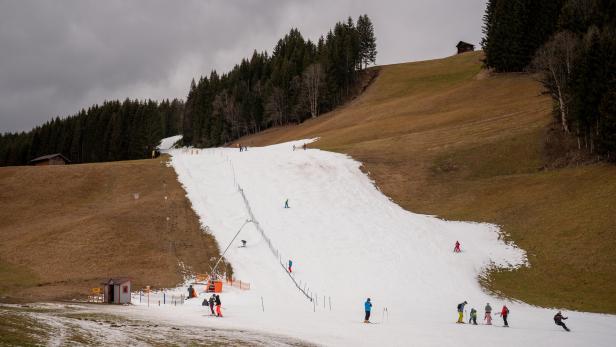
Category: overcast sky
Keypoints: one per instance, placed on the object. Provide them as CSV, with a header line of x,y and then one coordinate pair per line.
x,y
57,57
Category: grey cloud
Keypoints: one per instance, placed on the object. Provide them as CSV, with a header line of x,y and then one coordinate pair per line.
x,y
57,57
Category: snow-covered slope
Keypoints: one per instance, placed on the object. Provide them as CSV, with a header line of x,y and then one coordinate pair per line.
x,y
169,142
348,242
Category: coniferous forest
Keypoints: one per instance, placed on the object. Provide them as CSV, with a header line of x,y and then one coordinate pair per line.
x,y
572,45
300,79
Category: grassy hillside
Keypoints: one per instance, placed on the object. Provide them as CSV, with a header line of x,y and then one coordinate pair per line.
x,y
444,137
66,228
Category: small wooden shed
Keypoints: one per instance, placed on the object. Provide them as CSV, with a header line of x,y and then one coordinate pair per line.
x,y
50,159
117,290
464,47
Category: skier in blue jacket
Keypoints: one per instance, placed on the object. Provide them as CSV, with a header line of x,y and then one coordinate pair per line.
x,y
368,308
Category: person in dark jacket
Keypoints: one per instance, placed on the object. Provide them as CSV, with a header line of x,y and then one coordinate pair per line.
x,y
461,312
367,308
473,318
212,301
558,319
218,305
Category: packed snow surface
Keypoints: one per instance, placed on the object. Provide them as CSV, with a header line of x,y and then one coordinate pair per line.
x,y
349,242
168,142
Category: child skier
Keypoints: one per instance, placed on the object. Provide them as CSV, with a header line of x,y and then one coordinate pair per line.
x,y
461,312
456,249
218,304
488,315
558,319
473,318
290,265
368,308
504,313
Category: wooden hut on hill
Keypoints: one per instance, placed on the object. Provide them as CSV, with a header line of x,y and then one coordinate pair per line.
x,y
464,47
50,159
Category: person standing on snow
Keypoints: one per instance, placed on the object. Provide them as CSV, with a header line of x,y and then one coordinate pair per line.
x,y
290,265
367,308
218,304
212,301
488,315
456,248
504,313
286,203
558,319
473,318
461,312
191,292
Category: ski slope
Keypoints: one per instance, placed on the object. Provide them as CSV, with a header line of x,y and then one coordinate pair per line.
x,y
348,242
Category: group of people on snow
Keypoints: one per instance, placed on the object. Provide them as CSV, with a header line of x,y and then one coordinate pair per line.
x,y
242,148
504,313
303,146
487,316
213,301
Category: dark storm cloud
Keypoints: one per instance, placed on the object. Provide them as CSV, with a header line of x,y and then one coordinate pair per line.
x,y
57,57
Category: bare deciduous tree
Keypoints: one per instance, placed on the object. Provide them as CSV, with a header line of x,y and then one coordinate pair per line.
x,y
313,80
555,61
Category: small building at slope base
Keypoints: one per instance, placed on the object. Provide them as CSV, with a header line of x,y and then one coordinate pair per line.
x,y
117,290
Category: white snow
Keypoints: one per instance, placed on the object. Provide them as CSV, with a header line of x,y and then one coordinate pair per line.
x,y
169,142
348,242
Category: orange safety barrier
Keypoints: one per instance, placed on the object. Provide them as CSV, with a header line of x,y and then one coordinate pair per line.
x,y
238,284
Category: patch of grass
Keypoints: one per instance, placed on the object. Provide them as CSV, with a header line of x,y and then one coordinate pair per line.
x,y
14,278
19,330
71,227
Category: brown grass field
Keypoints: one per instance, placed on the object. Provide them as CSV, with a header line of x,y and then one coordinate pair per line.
x,y
66,228
445,137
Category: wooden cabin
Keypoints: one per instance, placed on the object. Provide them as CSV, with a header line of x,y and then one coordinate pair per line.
x,y
50,159
464,47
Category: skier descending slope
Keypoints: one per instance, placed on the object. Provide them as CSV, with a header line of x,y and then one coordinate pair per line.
x,y
367,308
286,203
456,248
290,265
461,312
558,319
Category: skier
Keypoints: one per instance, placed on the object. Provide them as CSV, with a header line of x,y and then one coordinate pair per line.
x,y
304,146
461,312
218,304
212,301
558,319
504,313
456,249
290,264
368,308
488,316
191,292
286,203
473,318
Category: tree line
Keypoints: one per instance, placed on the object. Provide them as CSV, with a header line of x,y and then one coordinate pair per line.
x,y
112,131
572,45
300,79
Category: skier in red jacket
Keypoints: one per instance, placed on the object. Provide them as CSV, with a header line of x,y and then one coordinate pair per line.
x,y
456,249
504,314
